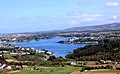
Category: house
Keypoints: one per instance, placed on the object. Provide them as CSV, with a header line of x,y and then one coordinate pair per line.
x,y
5,51
73,63
1,55
13,53
40,51
49,53
105,62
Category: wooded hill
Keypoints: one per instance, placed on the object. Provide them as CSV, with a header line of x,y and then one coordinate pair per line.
x,y
109,50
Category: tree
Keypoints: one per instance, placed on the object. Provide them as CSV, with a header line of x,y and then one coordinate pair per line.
x,y
52,58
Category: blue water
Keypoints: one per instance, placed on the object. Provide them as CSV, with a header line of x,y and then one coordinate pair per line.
x,y
51,45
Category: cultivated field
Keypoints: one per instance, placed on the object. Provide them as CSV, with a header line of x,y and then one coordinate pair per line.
x,y
50,70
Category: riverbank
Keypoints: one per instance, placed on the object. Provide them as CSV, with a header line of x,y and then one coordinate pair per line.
x,y
51,45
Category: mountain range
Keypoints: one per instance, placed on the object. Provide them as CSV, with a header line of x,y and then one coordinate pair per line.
x,y
111,26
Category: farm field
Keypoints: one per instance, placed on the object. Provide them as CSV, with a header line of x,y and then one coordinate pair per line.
x,y
50,70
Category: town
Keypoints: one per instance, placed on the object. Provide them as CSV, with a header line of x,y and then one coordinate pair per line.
x,y
8,53
76,36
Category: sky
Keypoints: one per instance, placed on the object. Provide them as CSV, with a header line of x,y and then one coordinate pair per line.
x,y
46,15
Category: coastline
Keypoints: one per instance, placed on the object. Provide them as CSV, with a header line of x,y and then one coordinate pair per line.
x,y
51,45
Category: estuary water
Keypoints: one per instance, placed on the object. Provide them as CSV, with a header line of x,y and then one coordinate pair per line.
x,y
51,45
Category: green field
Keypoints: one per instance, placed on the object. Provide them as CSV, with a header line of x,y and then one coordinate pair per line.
x,y
10,55
51,70
1,72
39,55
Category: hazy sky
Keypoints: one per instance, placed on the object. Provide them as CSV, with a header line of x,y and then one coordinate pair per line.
x,y
44,15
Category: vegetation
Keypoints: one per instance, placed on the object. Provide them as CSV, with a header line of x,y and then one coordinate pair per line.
x,y
58,59
98,67
2,72
26,58
8,56
2,60
51,70
39,55
109,49
6,49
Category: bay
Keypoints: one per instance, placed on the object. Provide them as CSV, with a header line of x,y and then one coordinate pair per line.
x,y
51,45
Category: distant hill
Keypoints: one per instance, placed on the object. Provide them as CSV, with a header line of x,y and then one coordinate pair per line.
x,y
111,26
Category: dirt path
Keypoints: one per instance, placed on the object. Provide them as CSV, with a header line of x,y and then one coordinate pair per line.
x,y
10,72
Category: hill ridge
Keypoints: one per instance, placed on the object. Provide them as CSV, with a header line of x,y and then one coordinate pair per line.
x,y
111,26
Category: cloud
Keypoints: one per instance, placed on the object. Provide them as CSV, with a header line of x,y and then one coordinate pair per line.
x,y
76,19
112,4
114,17
73,22
79,19
91,19
75,13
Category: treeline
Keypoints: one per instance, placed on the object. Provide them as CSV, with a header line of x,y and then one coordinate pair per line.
x,y
109,49
2,60
98,67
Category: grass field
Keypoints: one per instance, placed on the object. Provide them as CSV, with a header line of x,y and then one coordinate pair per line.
x,y
39,55
55,70
10,55
1,72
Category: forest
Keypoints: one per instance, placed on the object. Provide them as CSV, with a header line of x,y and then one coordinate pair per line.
x,y
109,49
